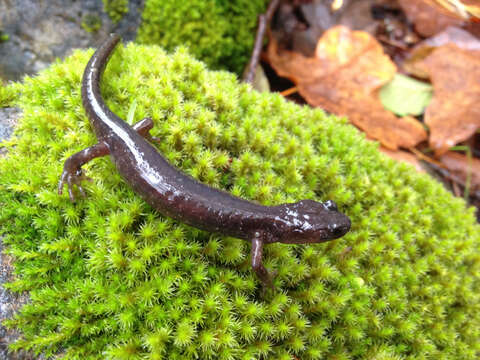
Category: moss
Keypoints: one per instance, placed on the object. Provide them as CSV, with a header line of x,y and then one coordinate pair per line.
x,y
219,32
8,94
3,36
109,278
91,22
115,9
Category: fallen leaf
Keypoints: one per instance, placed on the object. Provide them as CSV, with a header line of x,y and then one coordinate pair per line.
x,y
453,35
365,112
465,8
459,166
293,65
429,17
403,156
454,113
406,96
344,76
319,17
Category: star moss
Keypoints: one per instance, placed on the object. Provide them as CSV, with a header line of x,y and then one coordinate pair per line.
x,y
8,94
115,9
110,278
219,32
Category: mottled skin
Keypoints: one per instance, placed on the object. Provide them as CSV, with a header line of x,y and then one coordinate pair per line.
x,y
180,196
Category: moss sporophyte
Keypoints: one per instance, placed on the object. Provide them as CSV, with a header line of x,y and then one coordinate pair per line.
x,y
111,278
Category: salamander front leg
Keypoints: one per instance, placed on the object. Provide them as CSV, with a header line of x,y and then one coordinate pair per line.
x,y
257,252
143,127
72,169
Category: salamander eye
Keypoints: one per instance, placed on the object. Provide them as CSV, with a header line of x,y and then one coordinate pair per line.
x,y
338,231
330,205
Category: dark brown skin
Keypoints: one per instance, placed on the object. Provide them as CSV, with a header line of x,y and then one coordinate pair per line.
x,y
180,196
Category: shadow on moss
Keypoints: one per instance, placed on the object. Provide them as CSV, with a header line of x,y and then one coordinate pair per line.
x,y
220,33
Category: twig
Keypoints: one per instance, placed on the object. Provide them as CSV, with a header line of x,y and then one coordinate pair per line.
x,y
455,188
469,168
391,42
447,174
289,91
426,158
263,21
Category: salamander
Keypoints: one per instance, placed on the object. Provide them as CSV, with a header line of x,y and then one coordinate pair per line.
x,y
180,196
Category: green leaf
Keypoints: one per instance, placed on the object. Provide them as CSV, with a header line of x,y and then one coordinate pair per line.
x,y
406,96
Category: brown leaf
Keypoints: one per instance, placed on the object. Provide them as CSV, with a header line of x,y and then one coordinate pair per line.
x,y
454,113
458,166
343,78
429,17
453,35
403,156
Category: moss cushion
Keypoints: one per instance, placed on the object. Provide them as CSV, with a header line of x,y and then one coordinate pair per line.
x,y
219,32
110,278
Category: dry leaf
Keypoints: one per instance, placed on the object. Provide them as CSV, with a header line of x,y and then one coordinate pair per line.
x,y
454,113
403,156
453,35
343,78
429,16
458,166
364,111
465,8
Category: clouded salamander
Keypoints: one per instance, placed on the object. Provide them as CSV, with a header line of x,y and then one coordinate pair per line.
x,y
178,195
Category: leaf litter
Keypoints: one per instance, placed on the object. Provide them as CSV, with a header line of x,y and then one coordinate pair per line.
x,y
406,72
348,69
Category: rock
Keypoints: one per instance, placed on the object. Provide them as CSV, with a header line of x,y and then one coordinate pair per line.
x,y
9,302
34,33
40,31
8,119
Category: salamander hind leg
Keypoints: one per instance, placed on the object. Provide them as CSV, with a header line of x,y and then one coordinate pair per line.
x,y
143,127
257,252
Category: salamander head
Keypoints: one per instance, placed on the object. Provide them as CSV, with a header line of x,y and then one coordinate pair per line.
x,y
309,221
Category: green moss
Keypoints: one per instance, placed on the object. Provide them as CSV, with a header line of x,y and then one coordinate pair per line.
x,y
115,9
109,278
91,23
219,32
8,94
3,36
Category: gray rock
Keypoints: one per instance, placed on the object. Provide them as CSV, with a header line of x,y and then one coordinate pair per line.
x,y
40,31
9,302
8,119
